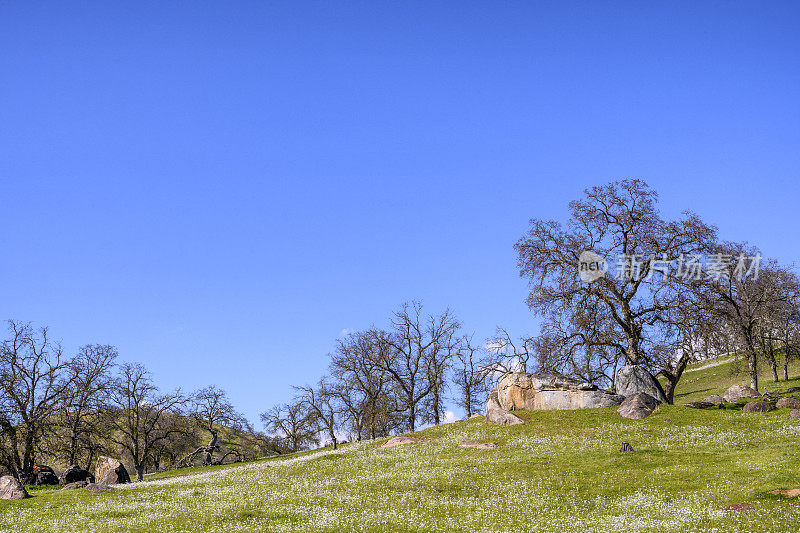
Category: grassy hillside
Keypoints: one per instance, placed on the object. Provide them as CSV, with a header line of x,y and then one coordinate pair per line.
x,y
560,472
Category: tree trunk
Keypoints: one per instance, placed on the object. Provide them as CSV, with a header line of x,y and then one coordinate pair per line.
x,y
751,361
773,365
412,417
786,364
139,472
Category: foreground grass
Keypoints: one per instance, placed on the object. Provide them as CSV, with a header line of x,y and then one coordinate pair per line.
x,y
559,472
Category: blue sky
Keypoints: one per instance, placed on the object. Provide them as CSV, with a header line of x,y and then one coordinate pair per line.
x,y
220,188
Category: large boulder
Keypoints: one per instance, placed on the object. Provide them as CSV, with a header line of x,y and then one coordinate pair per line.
x,y
637,406
791,403
497,415
634,378
737,392
110,471
11,489
76,473
550,391
757,406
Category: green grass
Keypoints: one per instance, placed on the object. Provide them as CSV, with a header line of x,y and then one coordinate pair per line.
x,y
559,472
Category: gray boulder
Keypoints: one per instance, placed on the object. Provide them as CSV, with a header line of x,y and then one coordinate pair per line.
x,y
757,406
110,471
497,415
11,489
637,406
634,378
791,403
716,399
794,413
737,392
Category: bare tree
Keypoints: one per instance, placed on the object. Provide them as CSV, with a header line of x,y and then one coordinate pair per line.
x,y
618,220
470,375
140,416
211,409
33,376
320,403
90,378
419,348
745,300
363,388
292,424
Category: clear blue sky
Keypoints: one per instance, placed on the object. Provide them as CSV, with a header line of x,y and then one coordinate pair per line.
x,y
220,188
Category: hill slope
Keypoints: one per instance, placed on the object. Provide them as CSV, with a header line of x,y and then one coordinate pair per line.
x,y
561,471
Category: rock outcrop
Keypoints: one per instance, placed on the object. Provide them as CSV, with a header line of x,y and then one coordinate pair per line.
x,y
11,489
550,391
638,406
737,392
497,415
110,471
634,378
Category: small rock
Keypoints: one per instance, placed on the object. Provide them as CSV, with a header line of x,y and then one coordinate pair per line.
x,y
75,485
757,406
478,445
794,413
792,390
11,489
638,406
789,493
737,392
736,507
399,441
701,405
97,488
626,447
791,403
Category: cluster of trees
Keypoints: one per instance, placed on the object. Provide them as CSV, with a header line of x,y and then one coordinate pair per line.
x,y
382,381
69,410
678,294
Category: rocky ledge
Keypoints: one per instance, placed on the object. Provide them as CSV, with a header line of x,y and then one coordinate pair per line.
x,y
549,391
